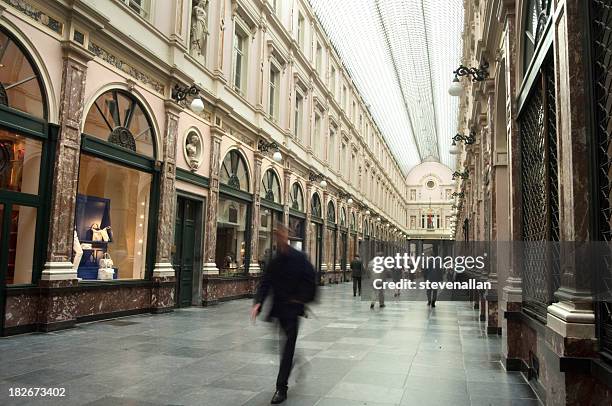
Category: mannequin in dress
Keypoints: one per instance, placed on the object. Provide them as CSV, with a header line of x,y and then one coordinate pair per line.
x,y
78,251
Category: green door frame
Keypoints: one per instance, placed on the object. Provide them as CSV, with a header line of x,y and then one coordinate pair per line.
x,y
198,238
25,125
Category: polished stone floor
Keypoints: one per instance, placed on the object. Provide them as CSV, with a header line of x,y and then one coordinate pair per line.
x,y
406,354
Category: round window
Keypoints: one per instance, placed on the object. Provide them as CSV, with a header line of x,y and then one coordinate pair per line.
x,y
430,184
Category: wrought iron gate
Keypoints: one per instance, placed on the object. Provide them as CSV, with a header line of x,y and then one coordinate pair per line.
x,y
601,40
540,194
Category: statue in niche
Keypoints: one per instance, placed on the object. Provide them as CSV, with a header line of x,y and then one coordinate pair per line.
x,y
199,27
192,149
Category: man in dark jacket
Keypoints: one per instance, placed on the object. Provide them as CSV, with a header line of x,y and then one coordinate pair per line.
x,y
291,278
433,273
356,271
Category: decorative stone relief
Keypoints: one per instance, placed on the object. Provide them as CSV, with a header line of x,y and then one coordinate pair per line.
x,y
192,148
199,27
37,15
126,67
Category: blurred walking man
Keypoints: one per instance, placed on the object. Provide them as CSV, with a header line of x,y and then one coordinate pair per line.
x,y
291,278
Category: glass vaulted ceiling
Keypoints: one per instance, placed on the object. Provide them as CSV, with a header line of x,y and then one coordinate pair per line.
x,y
401,54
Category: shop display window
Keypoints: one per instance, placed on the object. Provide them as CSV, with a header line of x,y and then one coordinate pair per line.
x,y
21,236
232,245
267,245
112,219
19,162
296,232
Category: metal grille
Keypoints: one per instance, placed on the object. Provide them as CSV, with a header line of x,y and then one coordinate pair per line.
x,y
540,197
601,24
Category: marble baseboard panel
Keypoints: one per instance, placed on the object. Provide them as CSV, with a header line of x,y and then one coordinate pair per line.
x,y
163,294
58,304
215,289
118,299
21,310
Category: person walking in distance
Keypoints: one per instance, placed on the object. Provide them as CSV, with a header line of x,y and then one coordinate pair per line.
x,y
291,279
356,271
376,293
433,273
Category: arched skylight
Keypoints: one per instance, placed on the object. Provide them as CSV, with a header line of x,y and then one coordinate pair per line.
x,y
401,54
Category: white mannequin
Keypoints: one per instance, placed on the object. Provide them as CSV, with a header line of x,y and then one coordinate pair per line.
x,y
78,251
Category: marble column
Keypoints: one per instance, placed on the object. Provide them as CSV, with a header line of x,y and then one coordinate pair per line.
x,y
58,310
256,217
324,245
163,292
307,209
492,307
286,195
167,200
511,300
212,205
66,167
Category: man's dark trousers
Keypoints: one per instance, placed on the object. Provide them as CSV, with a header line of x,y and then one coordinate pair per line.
x,y
290,330
356,285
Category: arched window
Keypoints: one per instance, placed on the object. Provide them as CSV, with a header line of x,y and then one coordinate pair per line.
x,y
115,208
353,222
23,176
366,229
297,197
343,217
234,171
271,186
119,118
21,85
331,212
315,206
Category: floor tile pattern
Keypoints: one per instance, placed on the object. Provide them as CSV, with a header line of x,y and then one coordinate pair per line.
x,y
403,354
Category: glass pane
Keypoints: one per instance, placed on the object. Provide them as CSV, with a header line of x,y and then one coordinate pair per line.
x,y
231,234
112,217
234,172
17,77
19,162
118,109
22,236
266,243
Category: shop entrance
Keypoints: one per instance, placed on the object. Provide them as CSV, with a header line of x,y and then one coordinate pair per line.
x,y
187,247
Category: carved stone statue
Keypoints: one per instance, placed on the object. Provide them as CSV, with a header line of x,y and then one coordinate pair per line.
x,y
192,149
199,27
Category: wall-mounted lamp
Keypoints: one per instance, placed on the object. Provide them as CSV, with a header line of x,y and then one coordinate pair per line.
x,y
476,74
265,146
180,94
367,212
346,196
313,177
458,194
467,139
462,175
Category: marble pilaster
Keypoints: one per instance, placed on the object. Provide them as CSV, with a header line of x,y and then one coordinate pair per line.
x,y
167,200
210,236
287,196
256,217
66,166
163,291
